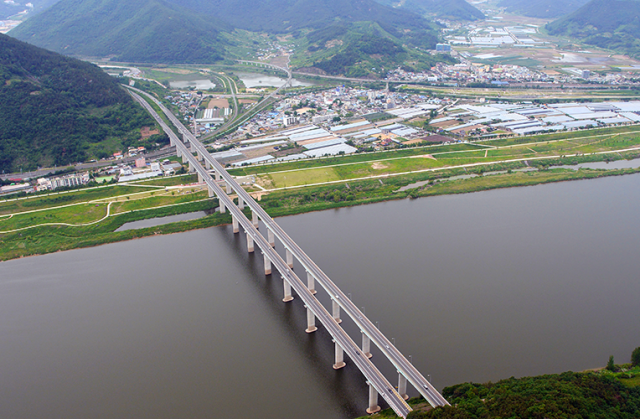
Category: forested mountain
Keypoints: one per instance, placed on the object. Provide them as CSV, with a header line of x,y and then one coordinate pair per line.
x,y
133,30
287,16
59,110
546,9
446,9
611,24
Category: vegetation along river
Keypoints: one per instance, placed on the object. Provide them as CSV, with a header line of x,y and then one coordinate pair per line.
x,y
474,287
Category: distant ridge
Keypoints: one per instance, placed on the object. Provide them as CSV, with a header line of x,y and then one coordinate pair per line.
x,y
445,9
610,24
135,30
545,9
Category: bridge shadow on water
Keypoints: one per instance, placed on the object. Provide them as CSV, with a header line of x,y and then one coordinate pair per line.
x,y
347,386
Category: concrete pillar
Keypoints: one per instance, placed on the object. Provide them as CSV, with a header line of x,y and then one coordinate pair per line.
x,y
200,179
254,219
207,164
250,247
229,190
311,322
336,311
223,209
234,222
402,386
373,400
192,168
339,358
200,158
366,345
240,202
287,291
311,283
184,158
217,175
289,258
267,265
211,193
271,238
178,152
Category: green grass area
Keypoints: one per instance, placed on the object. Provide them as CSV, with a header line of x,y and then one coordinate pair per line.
x,y
164,199
66,198
75,214
41,240
170,181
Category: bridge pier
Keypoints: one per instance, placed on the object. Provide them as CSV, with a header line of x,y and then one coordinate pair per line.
x,y
178,152
217,175
311,322
289,258
250,247
373,400
240,202
234,222
223,209
311,283
339,358
254,219
287,291
191,168
267,265
200,178
336,311
200,157
207,164
366,345
402,386
211,193
229,190
271,238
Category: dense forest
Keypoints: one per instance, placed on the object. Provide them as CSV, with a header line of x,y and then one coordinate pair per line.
x,y
58,110
567,395
610,24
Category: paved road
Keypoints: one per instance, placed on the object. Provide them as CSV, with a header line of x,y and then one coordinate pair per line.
x,y
390,351
368,369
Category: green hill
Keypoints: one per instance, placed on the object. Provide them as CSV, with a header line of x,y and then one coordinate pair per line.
x,y
59,110
362,49
545,9
446,9
610,24
136,31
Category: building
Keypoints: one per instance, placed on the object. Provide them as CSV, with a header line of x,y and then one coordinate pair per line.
x,y
141,162
443,48
289,120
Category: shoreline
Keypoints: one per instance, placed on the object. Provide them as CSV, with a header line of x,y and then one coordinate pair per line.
x,y
85,239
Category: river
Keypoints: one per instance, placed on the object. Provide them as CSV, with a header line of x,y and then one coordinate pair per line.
x,y
474,287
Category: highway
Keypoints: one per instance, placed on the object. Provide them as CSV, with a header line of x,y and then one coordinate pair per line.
x,y
368,369
402,365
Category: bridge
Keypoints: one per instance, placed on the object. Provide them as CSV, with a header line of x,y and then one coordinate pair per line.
x,y
340,303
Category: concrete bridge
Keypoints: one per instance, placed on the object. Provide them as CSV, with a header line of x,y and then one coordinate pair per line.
x,y
359,355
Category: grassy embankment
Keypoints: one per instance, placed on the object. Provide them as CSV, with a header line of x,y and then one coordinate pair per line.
x,y
150,199
537,150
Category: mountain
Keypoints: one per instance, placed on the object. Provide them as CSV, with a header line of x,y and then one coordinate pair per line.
x,y
291,16
136,30
59,110
445,9
545,9
610,24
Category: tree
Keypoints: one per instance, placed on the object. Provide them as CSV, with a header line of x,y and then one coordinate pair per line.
x,y
610,365
635,357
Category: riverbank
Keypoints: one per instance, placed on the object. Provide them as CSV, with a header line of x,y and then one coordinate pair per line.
x,y
47,239
594,394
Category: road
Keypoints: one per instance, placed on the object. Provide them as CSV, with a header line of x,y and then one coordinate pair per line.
x,y
368,369
366,326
